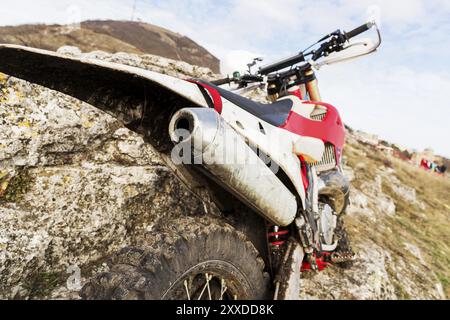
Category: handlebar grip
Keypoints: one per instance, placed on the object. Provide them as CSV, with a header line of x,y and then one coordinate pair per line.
x,y
252,78
221,81
359,30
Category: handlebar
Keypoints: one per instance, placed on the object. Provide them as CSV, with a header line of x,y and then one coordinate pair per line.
x,y
334,44
221,82
242,81
251,78
282,64
361,29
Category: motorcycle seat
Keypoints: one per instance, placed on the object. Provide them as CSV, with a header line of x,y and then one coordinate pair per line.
x,y
274,113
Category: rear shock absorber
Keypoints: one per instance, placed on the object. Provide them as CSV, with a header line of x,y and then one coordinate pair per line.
x,y
277,236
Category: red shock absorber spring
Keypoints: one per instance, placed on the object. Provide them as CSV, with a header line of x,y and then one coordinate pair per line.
x,y
277,236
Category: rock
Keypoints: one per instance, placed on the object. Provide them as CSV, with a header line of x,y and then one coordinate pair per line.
x,y
349,173
406,193
76,215
375,275
75,186
415,251
359,199
386,205
257,94
155,63
69,51
367,279
99,55
359,205
126,58
373,187
366,138
381,203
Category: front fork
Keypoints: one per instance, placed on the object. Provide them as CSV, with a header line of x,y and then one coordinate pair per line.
x,y
307,91
312,87
306,222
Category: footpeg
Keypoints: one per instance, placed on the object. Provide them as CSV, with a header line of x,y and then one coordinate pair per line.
x,y
341,257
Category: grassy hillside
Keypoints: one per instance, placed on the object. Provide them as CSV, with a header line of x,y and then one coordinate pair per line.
x,y
423,223
399,225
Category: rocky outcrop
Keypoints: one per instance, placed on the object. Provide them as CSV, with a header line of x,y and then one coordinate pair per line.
x,y
374,275
75,185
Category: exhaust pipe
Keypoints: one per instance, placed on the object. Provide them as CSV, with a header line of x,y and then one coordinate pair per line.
x,y
209,141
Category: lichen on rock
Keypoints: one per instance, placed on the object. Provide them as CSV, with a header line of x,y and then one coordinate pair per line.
x,y
75,185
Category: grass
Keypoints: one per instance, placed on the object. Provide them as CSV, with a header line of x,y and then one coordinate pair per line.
x,y
428,229
434,231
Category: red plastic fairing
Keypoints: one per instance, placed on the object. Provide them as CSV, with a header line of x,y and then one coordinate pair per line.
x,y
330,129
304,173
215,95
321,263
297,93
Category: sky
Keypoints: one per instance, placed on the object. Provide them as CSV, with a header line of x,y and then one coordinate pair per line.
x,y
401,93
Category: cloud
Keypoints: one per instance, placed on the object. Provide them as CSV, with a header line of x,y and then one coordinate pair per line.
x,y
49,11
237,60
399,93
400,104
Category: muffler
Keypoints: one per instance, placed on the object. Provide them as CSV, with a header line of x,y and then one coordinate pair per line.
x,y
202,137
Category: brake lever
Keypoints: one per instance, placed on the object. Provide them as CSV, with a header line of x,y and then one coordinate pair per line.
x,y
335,44
334,33
369,44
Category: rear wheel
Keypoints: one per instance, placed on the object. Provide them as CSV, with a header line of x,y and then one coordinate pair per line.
x,y
192,259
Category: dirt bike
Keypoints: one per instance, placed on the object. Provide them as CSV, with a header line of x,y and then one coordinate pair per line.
x,y
271,173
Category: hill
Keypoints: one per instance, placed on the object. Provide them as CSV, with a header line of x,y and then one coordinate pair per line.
x,y
112,36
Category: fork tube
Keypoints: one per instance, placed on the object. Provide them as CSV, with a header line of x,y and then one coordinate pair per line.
x,y
312,88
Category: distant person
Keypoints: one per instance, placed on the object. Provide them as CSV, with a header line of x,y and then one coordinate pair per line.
x,y
433,166
424,164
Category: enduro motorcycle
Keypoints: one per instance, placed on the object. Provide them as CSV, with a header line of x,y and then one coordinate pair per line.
x,y
270,175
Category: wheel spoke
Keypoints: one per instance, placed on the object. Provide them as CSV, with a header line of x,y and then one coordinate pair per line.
x,y
205,286
187,290
208,279
209,287
223,288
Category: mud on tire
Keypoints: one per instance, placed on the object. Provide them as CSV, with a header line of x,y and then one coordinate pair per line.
x,y
190,259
